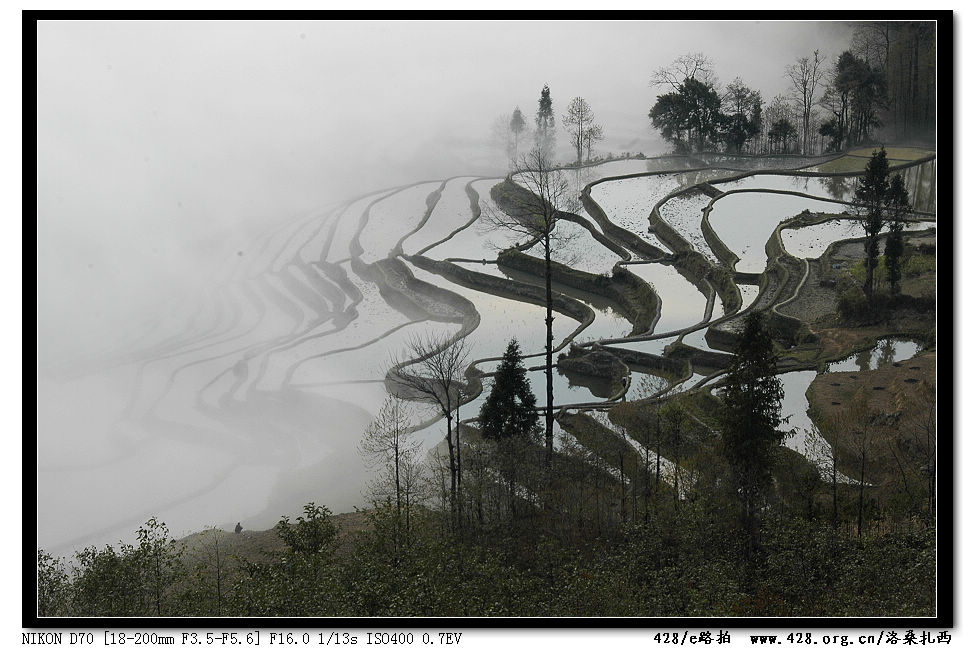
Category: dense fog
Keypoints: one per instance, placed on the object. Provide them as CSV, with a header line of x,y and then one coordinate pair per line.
x,y
169,154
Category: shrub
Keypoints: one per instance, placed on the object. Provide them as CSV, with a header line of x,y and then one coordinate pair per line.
x,y
913,266
917,265
852,303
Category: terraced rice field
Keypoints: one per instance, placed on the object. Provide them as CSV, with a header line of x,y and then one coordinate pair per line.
x,y
627,203
744,221
576,247
684,213
280,365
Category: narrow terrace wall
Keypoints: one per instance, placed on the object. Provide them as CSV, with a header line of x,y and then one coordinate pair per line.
x,y
614,231
505,288
634,298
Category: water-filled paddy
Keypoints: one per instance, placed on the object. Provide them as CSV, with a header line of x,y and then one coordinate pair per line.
x,y
814,186
502,319
483,239
777,162
577,179
574,246
348,223
887,351
684,214
451,211
795,384
392,218
922,185
628,202
811,241
744,221
682,304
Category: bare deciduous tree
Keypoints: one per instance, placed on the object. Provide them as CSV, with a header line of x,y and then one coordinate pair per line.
x,y
806,76
533,210
823,446
434,375
578,120
387,445
592,135
689,66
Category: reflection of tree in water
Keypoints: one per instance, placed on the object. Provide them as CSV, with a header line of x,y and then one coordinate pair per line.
x,y
863,360
920,182
837,186
668,164
886,352
800,184
691,178
582,177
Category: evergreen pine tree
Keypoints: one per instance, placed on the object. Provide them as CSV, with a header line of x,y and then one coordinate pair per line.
x,y
510,407
872,194
750,435
545,121
516,126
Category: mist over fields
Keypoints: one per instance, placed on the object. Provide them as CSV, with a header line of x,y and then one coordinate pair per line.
x,y
169,154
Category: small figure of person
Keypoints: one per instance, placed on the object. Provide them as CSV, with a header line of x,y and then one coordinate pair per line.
x,y
238,528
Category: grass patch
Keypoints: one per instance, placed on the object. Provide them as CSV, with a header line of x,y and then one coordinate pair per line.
x,y
899,153
856,160
845,164
912,266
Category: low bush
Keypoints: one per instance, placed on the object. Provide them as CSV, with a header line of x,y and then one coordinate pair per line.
x,y
852,303
911,266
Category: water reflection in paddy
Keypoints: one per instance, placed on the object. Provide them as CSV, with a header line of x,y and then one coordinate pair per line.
x,y
682,304
838,188
655,347
392,218
451,211
684,214
502,319
886,352
744,221
811,241
482,239
796,383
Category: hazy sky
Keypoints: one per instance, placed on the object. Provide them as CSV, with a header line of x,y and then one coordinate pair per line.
x,y
162,145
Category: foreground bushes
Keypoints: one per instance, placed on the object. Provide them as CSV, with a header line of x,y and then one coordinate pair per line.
x,y
676,564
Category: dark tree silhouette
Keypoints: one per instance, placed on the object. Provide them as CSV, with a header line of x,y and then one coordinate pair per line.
x,y
533,210
750,427
510,407
694,107
578,121
433,375
517,126
744,116
545,121
872,194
